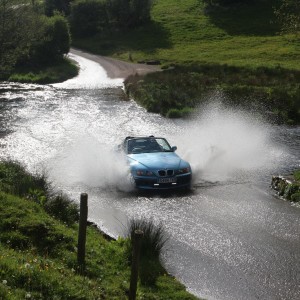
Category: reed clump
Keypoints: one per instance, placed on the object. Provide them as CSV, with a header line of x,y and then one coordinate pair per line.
x,y
152,244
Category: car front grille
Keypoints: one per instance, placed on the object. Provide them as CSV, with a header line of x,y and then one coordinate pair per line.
x,y
163,173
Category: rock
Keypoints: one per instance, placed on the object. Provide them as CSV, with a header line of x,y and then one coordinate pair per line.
x,y
286,187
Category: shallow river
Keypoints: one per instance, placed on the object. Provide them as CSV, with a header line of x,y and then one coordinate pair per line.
x,y
230,238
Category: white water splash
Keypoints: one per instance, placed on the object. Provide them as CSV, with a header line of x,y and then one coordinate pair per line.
x,y
54,126
222,142
91,76
90,163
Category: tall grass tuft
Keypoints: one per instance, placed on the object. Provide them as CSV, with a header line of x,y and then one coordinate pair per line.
x,y
153,242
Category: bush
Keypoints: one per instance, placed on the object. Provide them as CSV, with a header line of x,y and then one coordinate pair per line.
x,y
153,241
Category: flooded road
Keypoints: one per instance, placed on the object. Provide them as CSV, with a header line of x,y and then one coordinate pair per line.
x,y
230,238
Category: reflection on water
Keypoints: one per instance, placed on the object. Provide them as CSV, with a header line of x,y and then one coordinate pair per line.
x,y
227,238
91,76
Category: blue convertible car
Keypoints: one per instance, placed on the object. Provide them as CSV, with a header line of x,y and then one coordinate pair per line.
x,y
155,165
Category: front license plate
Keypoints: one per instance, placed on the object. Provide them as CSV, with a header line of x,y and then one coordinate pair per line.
x,y
167,180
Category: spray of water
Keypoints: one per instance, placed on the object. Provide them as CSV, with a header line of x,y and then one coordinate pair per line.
x,y
222,143
87,162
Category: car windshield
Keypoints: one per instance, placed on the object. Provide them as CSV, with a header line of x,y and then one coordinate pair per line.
x,y
148,145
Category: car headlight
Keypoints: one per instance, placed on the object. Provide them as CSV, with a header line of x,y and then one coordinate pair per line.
x,y
144,173
183,170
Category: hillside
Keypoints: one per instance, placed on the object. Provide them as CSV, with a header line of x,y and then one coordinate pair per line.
x,y
186,31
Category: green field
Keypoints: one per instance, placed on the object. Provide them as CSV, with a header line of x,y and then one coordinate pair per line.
x,y
185,31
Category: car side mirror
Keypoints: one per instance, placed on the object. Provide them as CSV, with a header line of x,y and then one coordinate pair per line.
x,y
174,148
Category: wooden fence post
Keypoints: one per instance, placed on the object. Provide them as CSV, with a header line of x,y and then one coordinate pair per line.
x,y
82,231
137,238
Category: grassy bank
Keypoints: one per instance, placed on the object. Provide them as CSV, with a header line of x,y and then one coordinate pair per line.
x,y
43,74
38,255
271,92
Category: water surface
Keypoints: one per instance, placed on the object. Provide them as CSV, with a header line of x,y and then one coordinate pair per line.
x,y
230,238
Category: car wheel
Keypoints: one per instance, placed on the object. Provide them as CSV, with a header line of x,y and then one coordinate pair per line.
x,y
131,181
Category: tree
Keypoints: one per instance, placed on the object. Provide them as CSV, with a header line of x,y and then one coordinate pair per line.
x,y
28,38
54,42
288,15
18,26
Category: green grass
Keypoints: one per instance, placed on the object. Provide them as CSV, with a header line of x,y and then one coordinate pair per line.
x,y
297,175
185,31
57,72
38,252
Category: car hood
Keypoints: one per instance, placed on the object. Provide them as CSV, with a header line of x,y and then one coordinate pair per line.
x,y
161,160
